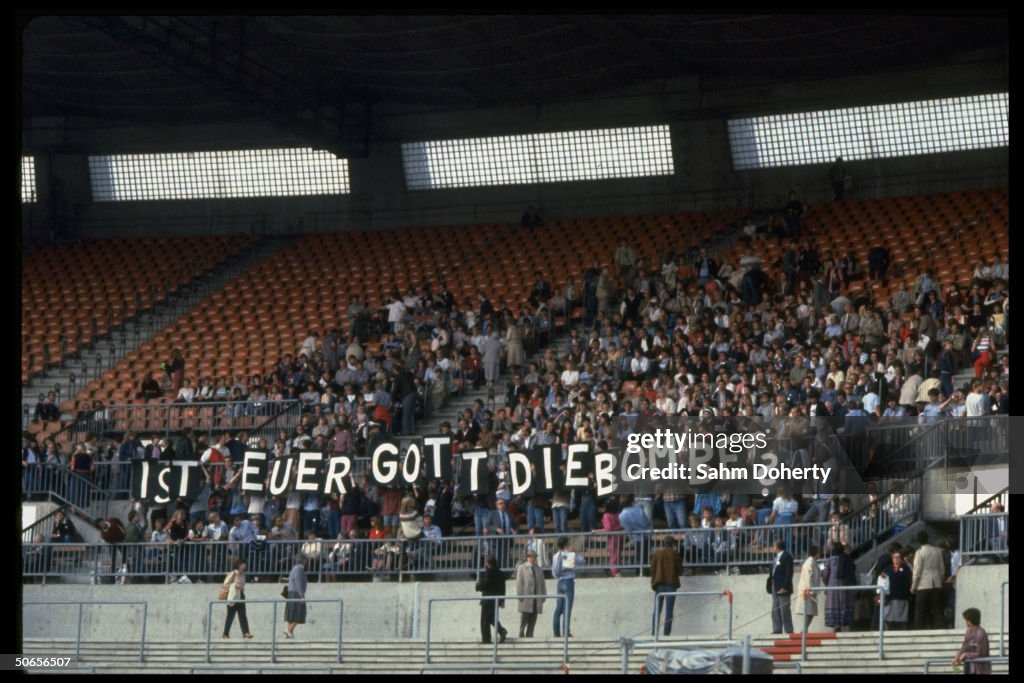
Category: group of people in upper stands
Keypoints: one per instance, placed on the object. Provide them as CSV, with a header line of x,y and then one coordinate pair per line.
x,y
686,338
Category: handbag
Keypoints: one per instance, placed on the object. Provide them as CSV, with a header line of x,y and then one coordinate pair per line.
x,y
284,592
226,586
768,585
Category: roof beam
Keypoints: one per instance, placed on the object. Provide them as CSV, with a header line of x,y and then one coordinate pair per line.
x,y
224,65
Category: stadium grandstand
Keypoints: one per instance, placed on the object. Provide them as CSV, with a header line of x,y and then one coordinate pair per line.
x,y
382,333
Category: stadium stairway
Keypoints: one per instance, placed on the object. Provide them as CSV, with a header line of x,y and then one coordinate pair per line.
x,y
905,653
108,350
457,404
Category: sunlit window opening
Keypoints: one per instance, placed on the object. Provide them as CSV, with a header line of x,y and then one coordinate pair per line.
x,y
28,180
539,158
876,132
217,175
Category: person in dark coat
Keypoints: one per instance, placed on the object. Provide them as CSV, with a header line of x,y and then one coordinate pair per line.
x,y
443,509
839,571
491,583
897,601
780,585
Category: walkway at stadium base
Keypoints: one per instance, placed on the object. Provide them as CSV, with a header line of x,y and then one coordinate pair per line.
x,y
905,652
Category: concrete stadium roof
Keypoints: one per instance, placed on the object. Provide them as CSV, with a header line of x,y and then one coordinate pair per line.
x,y
322,75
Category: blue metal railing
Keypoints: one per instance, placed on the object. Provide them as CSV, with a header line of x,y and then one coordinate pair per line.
x,y
497,599
81,605
273,622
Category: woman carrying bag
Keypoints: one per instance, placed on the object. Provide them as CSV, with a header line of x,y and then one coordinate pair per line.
x,y
295,608
233,590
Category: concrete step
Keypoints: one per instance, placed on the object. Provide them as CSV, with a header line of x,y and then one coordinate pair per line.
x,y
906,652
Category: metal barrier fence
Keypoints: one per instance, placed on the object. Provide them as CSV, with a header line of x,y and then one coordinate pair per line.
x,y
659,601
840,589
273,621
985,535
235,669
947,661
493,668
714,548
60,484
1002,617
909,448
494,640
81,604
207,417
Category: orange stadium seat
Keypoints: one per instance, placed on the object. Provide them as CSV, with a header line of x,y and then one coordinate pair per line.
x,y
268,310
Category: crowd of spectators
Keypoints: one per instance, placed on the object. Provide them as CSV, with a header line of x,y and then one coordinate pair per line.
x,y
688,337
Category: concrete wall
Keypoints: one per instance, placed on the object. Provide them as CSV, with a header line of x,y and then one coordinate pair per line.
x,y
697,110
604,608
980,586
955,491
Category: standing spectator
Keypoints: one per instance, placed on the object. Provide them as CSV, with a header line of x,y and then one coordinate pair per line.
x,y
430,541
515,354
235,583
529,581
837,176
30,464
839,571
625,258
791,213
492,583
175,369
878,263
706,267
491,353
184,446
531,219
975,644
810,578
633,519
46,408
130,450
348,509
610,523
897,601
665,567
780,585
241,535
177,532
295,609
82,468
502,524
405,391
927,584
563,570
390,509
112,532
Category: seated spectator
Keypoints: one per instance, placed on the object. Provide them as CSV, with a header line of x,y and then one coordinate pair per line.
x,y
312,550
63,529
348,556
187,394
46,409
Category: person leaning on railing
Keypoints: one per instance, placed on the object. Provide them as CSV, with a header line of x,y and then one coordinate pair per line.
x,y
975,645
